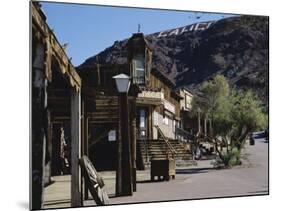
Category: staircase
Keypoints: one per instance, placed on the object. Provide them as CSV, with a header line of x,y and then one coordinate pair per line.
x,y
170,151
165,148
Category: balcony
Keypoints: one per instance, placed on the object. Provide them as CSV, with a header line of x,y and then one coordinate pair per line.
x,y
151,94
169,106
150,97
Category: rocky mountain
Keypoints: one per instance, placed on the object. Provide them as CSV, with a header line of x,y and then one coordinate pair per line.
x,y
237,47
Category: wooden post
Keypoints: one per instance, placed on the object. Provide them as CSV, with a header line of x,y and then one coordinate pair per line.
x,y
48,148
82,146
75,148
150,127
86,143
39,128
133,143
124,168
82,125
118,182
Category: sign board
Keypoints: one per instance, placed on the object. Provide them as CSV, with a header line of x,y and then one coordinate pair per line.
x,y
151,94
112,135
191,28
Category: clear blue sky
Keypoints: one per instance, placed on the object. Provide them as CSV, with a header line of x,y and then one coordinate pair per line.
x,y
89,29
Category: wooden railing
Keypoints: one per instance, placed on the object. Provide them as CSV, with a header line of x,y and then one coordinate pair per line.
x,y
168,144
144,141
185,134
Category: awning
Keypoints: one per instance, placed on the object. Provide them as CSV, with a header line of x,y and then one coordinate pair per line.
x,y
53,49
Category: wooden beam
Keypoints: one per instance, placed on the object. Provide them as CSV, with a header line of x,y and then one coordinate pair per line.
x,y
86,148
60,118
39,128
98,114
66,66
83,144
75,149
148,101
105,121
86,134
149,125
82,126
124,164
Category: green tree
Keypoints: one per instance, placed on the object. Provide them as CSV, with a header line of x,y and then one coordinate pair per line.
x,y
233,115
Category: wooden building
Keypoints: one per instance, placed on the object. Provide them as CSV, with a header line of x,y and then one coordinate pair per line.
x,y
189,121
154,102
71,118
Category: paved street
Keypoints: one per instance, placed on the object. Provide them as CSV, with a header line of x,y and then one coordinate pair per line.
x,y
201,181
204,182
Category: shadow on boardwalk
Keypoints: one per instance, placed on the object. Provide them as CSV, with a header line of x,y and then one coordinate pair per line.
x,y
193,170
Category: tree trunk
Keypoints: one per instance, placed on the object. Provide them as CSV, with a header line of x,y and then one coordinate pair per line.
x,y
219,152
242,139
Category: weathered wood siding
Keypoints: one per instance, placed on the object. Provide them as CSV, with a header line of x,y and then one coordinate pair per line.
x,y
155,82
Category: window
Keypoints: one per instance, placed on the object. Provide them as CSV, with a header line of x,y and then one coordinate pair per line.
x,y
142,118
155,118
165,120
138,69
174,125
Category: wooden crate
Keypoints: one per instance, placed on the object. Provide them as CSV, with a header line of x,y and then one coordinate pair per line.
x,y
163,169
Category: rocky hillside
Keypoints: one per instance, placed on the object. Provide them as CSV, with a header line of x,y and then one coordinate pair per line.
x,y
236,47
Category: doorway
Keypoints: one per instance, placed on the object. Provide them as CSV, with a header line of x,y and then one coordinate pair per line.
x,y
142,123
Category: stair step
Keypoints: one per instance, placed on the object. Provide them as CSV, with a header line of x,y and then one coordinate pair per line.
x,y
157,149
161,152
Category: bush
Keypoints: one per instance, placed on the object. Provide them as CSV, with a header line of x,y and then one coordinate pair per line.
x,y
232,158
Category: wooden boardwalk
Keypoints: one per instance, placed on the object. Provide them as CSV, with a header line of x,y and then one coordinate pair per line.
x,y
57,194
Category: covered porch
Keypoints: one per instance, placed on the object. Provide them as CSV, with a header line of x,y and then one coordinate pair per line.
x,y
56,115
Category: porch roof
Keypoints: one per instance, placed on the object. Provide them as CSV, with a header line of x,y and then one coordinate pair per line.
x,y
53,48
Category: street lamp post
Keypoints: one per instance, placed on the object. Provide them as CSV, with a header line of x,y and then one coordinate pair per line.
x,y
124,163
